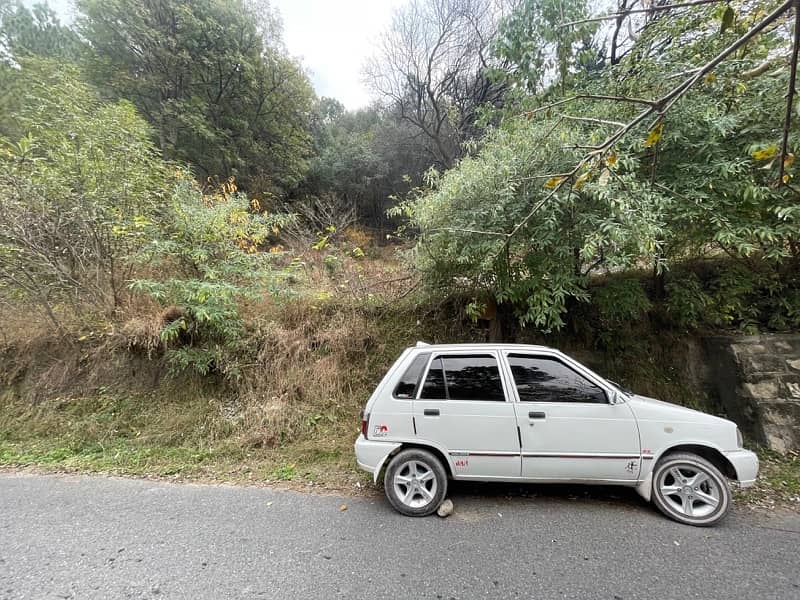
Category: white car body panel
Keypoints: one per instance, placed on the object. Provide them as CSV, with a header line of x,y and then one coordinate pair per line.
x,y
579,441
480,437
617,443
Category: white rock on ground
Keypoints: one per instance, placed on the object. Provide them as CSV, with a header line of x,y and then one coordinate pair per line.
x,y
445,508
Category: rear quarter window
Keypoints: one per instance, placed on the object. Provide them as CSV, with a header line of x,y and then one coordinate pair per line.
x,y
406,388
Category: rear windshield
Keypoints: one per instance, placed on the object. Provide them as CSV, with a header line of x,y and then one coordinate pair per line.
x,y
407,387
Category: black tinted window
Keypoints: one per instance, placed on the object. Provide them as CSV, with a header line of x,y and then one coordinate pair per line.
x,y
540,379
464,378
434,382
407,388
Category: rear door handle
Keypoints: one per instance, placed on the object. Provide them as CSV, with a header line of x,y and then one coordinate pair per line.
x,y
536,415
431,412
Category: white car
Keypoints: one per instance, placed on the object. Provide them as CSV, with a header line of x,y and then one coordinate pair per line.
x,y
507,412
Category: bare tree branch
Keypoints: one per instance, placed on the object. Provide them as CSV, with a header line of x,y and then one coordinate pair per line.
x,y
592,120
790,92
530,113
651,9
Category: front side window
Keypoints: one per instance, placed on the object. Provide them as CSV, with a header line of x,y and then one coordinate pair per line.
x,y
472,377
543,379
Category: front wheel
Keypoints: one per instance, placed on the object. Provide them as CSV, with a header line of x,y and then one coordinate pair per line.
x,y
691,490
415,482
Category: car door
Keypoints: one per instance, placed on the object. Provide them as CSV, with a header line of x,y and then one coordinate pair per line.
x,y
463,406
568,428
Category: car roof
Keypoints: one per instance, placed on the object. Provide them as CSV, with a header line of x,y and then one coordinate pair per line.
x,y
497,346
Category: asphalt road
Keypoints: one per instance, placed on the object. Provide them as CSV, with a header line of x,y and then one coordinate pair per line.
x,y
96,537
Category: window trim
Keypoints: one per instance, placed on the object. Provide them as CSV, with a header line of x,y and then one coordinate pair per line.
x,y
501,368
567,362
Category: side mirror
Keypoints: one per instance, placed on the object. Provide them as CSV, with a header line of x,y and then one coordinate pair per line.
x,y
617,397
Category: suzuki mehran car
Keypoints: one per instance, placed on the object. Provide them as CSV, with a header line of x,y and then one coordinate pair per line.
x,y
518,413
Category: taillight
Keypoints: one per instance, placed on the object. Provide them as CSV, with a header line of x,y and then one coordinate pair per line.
x,y
364,424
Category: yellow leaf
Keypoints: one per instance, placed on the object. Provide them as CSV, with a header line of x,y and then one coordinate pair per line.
x,y
581,180
553,182
654,135
710,78
787,178
612,159
766,153
788,161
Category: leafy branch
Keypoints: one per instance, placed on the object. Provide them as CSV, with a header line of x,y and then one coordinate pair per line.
x,y
659,108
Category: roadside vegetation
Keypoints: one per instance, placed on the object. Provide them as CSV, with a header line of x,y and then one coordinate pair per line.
x,y
205,269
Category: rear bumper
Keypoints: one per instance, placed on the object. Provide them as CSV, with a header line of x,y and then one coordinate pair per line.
x,y
745,463
371,455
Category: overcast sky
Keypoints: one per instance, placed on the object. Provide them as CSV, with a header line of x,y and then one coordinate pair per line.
x,y
332,38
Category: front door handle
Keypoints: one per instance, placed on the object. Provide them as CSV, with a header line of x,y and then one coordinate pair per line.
x,y
536,415
431,412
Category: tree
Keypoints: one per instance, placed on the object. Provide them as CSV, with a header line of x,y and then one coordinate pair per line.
x,y
672,153
212,78
36,32
434,69
361,160
538,50
78,193
25,33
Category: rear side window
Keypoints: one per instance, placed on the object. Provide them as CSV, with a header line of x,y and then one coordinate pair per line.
x,y
473,377
407,387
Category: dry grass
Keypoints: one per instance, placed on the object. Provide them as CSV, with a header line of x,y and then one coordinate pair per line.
x,y
307,374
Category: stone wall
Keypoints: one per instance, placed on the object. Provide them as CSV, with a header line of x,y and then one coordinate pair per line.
x,y
757,380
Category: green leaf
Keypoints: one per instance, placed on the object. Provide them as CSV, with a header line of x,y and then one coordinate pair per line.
x,y
727,19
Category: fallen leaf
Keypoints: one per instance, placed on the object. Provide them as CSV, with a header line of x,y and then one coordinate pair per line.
x,y
343,507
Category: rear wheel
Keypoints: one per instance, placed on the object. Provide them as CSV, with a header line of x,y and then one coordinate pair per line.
x,y
415,482
691,490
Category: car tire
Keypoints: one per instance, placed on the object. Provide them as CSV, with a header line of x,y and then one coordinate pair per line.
x,y
415,482
689,489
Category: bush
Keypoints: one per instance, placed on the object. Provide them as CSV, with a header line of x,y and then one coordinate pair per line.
x,y
212,243
621,301
687,302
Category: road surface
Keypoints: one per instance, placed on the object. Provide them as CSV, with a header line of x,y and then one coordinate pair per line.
x,y
96,537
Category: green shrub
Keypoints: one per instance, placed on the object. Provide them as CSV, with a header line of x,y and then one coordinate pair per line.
x,y
687,302
621,301
212,244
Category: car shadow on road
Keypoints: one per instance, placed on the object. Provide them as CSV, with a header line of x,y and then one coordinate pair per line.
x,y
520,493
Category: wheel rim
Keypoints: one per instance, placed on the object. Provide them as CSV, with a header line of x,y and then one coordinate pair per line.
x,y
415,484
689,490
